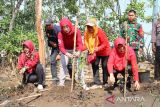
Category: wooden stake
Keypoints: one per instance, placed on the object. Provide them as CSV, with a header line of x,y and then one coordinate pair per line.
x,y
74,59
126,55
20,99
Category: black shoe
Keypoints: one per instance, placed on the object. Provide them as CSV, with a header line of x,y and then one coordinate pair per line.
x,y
129,89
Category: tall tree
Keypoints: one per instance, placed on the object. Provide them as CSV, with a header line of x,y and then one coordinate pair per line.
x,y
39,29
15,11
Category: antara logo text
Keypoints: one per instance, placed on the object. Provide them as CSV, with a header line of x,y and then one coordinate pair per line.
x,y
112,99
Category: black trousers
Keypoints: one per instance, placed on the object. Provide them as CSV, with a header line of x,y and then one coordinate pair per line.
x,y
129,78
157,64
36,76
95,68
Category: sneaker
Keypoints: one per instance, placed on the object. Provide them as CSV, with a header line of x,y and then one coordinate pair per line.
x,y
40,87
95,86
85,87
156,82
61,84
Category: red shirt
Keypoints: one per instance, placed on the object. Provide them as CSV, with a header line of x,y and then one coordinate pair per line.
x,y
117,61
24,61
66,40
103,46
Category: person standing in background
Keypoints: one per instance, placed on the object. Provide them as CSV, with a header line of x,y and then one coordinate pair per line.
x,y
135,33
156,48
52,36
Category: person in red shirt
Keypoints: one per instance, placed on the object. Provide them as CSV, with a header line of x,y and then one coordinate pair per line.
x,y
29,65
117,63
96,42
66,43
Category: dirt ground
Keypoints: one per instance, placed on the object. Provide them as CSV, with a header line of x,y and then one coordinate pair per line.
x,y
12,94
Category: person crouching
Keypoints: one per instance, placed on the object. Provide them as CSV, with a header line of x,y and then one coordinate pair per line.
x,y
117,63
29,65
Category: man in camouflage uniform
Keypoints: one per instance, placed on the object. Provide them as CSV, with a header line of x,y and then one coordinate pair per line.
x,y
134,32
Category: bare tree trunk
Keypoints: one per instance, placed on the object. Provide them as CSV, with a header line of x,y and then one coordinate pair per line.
x,y
14,14
39,29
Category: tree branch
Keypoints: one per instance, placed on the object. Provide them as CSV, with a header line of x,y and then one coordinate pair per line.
x,y
14,14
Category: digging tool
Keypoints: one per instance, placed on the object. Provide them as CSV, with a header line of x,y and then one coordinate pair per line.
x,y
126,58
74,59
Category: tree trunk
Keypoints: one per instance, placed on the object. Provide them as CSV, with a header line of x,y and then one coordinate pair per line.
x,y
39,29
14,14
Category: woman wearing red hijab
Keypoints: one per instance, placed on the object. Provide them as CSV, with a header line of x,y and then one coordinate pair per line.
x,y
66,43
29,65
117,63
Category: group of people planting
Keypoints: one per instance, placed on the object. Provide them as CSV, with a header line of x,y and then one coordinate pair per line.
x,y
121,59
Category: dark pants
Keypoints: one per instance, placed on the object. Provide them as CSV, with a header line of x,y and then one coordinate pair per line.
x,y
54,53
157,64
136,52
69,67
129,80
95,68
36,76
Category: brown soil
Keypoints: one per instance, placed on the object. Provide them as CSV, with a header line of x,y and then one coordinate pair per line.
x,y
56,96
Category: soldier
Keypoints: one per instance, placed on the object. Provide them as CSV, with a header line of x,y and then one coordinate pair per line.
x,y
135,33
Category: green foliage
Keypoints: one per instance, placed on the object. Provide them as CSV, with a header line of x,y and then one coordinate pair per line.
x,y
1,7
108,25
71,6
26,17
24,27
5,14
82,21
138,7
4,24
12,42
59,12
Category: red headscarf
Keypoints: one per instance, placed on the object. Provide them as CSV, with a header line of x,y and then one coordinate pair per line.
x,y
67,22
